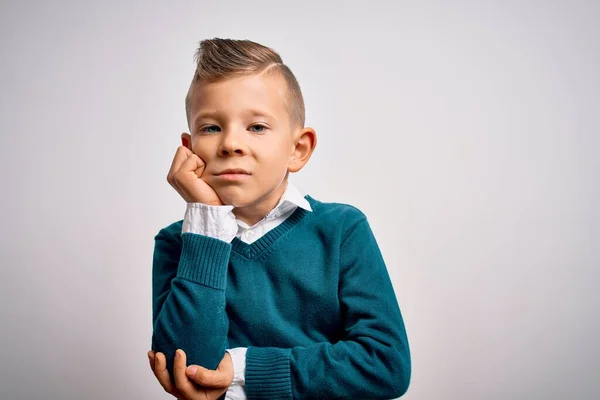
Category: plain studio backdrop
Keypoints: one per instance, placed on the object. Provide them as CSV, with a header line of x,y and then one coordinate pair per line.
x,y
467,132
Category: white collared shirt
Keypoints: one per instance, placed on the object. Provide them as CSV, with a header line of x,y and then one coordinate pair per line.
x,y
220,222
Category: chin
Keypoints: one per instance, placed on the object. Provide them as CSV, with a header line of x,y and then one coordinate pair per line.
x,y
237,203
234,198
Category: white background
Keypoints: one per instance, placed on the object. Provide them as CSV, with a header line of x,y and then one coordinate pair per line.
x,y
466,131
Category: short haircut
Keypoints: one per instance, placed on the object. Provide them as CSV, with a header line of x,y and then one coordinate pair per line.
x,y
218,59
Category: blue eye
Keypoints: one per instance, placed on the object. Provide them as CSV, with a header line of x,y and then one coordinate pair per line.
x,y
261,128
210,129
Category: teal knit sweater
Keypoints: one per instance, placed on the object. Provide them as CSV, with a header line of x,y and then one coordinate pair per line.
x,y
311,299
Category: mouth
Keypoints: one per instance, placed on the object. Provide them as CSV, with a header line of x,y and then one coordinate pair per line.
x,y
235,171
233,175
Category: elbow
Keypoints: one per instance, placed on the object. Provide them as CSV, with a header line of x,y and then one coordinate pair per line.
x,y
402,381
399,367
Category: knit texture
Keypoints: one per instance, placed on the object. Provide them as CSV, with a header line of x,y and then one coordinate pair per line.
x,y
311,299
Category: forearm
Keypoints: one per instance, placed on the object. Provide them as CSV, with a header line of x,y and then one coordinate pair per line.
x,y
189,279
347,369
369,359
193,316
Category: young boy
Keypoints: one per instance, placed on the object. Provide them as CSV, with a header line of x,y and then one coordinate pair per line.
x,y
264,292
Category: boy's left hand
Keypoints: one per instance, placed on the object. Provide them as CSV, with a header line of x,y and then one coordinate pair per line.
x,y
193,382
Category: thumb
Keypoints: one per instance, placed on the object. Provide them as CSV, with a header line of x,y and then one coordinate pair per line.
x,y
207,377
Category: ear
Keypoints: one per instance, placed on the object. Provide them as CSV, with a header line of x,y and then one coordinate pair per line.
x,y
305,145
186,140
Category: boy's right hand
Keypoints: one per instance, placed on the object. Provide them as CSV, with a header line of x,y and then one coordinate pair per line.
x,y
185,176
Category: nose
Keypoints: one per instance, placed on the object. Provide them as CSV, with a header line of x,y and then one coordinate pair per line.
x,y
231,144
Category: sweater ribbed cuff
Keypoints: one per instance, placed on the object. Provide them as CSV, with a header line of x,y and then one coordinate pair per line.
x,y
268,373
204,260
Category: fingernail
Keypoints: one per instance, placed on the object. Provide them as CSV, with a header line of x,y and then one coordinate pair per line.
x,y
177,355
192,370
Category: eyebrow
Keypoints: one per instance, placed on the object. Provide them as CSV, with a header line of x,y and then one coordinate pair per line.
x,y
206,114
259,113
214,114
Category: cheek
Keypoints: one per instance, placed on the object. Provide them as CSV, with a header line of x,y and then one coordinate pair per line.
x,y
272,160
274,167
202,150
275,152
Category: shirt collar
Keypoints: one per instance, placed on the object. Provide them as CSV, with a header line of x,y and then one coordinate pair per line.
x,y
290,199
293,195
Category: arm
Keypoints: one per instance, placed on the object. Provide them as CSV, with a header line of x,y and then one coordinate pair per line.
x,y
371,361
188,290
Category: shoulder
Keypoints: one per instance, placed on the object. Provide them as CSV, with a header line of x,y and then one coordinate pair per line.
x,y
338,214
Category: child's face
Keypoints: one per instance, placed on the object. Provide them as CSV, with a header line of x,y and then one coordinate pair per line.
x,y
243,123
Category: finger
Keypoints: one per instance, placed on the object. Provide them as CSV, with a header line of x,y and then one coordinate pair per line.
x,y
161,373
151,358
181,155
195,164
207,377
182,382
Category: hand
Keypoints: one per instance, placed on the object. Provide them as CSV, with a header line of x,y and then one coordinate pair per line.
x,y
185,176
187,379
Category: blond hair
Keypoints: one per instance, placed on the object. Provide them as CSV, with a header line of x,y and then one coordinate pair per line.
x,y
217,59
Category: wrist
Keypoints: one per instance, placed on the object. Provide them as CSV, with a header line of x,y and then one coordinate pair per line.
x,y
209,220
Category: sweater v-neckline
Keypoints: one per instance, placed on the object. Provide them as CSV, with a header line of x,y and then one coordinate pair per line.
x,y
256,248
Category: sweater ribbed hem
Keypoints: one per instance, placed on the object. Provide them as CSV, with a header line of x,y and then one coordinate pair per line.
x,y
268,373
204,260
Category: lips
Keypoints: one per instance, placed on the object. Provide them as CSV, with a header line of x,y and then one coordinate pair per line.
x,y
234,171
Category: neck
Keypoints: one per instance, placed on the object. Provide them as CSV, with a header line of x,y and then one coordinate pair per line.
x,y
256,211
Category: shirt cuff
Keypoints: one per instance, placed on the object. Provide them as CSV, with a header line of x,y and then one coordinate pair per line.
x,y
236,389
214,221
238,357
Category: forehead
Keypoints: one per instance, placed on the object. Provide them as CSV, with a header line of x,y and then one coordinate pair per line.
x,y
237,95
